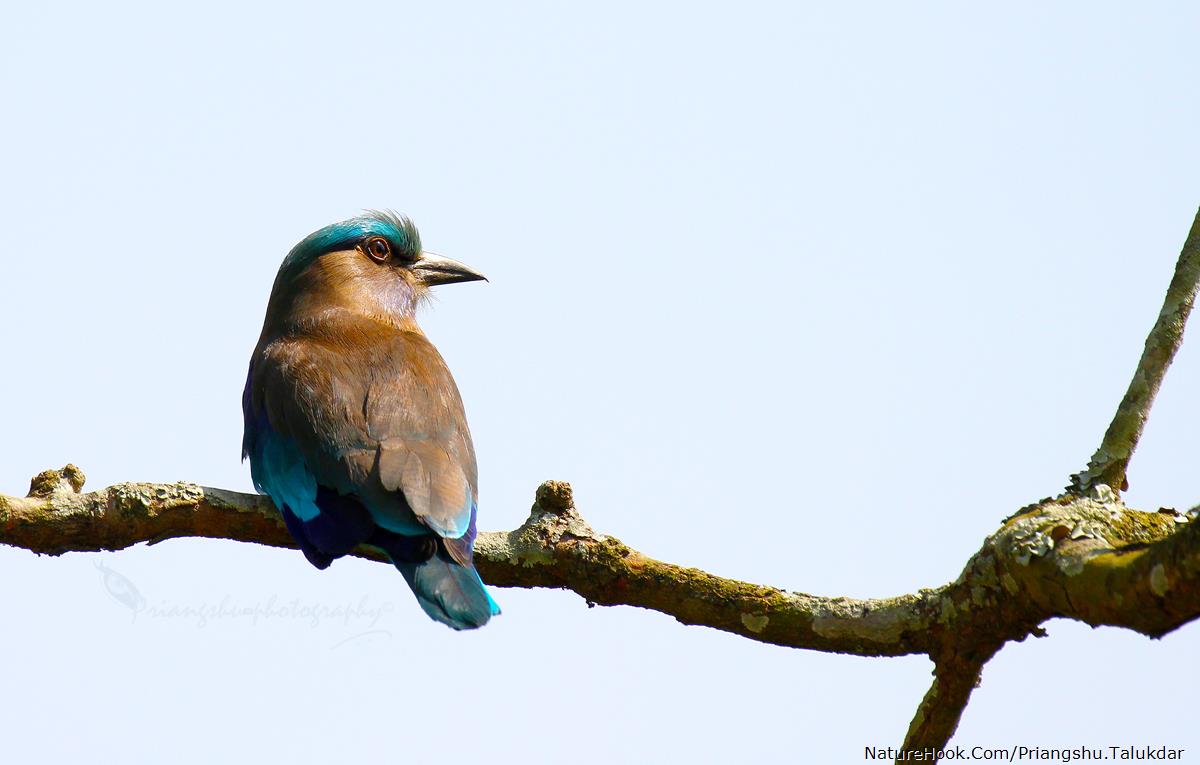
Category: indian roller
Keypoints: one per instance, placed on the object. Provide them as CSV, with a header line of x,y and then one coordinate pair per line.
x,y
353,425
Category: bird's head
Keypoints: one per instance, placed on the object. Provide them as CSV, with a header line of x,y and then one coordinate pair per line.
x,y
372,264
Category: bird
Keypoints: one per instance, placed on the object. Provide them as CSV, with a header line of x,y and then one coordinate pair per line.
x,y
354,426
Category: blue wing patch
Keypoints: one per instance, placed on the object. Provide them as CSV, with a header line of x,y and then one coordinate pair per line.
x,y
278,470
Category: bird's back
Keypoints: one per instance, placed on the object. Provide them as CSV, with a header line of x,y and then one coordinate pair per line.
x,y
375,412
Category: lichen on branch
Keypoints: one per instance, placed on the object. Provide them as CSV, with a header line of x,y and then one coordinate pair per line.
x,y
1084,555
1087,558
1110,463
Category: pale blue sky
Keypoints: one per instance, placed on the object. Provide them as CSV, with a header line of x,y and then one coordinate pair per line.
x,y
808,296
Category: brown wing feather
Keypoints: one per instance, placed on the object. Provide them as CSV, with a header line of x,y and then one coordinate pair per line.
x,y
376,413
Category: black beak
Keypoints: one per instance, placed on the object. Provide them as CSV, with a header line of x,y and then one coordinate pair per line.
x,y
434,269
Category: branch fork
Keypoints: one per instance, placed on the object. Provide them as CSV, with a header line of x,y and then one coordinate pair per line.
x,y
1083,555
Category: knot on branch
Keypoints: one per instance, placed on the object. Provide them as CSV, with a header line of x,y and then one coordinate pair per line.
x,y
49,482
554,497
553,520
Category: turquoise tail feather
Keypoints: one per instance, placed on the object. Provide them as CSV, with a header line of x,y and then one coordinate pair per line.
x,y
449,592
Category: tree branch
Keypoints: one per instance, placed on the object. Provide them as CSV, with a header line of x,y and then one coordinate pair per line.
x,y
1087,558
939,712
1083,556
555,547
1111,461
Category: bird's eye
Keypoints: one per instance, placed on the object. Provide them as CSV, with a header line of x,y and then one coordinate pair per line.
x,y
378,249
